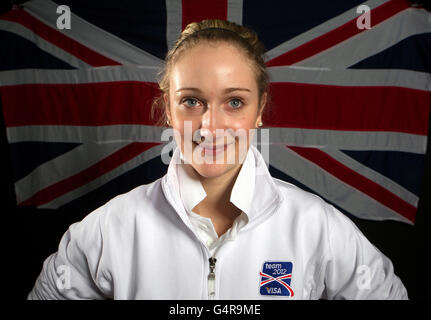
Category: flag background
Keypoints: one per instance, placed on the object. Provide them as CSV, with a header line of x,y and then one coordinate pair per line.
x,y
374,153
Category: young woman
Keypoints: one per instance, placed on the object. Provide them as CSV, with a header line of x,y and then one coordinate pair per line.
x,y
216,229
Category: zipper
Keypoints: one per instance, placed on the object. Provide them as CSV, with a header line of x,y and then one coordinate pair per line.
x,y
211,278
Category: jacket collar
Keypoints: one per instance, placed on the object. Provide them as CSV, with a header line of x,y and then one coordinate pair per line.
x,y
192,191
257,202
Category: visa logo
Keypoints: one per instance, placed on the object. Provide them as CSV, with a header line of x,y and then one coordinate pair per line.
x,y
273,290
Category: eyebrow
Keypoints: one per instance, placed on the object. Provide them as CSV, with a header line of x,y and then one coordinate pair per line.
x,y
227,90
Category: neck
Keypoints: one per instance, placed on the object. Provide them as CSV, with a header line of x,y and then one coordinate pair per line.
x,y
219,189
216,204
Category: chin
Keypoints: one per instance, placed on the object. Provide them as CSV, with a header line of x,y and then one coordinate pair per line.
x,y
212,170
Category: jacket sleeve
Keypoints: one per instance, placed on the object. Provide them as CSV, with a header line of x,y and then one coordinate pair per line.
x,y
74,271
355,269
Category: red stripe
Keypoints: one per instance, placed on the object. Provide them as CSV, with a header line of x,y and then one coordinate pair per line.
x,y
357,181
310,106
338,35
109,163
58,38
272,278
279,281
88,104
290,290
198,10
293,105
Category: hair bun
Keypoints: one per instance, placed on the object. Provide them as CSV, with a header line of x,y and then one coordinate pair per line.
x,y
248,35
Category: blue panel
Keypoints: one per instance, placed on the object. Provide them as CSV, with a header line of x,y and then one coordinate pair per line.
x,y
278,21
402,167
26,156
19,53
142,23
412,53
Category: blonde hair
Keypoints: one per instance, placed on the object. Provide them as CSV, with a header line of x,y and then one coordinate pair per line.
x,y
211,30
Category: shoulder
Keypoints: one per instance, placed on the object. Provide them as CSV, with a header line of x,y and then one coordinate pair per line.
x,y
299,199
123,209
310,208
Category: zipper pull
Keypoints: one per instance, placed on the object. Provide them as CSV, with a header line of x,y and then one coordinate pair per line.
x,y
211,279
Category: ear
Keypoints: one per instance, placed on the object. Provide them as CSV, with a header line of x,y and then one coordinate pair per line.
x,y
263,101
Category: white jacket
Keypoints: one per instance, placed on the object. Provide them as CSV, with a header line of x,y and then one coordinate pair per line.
x,y
143,245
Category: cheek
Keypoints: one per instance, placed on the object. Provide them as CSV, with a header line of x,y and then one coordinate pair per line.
x,y
180,119
244,131
245,122
184,129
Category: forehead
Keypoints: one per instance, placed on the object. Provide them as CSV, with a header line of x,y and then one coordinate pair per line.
x,y
213,65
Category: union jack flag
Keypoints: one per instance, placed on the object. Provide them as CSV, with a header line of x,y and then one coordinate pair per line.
x,y
348,118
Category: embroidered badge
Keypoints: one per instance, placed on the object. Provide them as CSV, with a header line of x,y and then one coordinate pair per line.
x,y
275,279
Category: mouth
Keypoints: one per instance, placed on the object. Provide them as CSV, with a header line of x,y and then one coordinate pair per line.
x,y
212,148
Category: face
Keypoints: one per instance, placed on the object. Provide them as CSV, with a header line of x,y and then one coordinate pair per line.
x,y
213,107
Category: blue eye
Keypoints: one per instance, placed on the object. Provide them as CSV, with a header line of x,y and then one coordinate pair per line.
x,y
235,103
191,102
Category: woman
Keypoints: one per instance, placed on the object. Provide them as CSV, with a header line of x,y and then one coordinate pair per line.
x,y
216,229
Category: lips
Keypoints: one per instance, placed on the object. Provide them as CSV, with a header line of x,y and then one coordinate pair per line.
x,y
211,148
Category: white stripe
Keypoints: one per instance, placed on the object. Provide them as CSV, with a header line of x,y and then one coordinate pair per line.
x,y
127,166
404,24
350,77
344,140
350,140
330,187
85,134
319,30
234,11
174,19
78,76
92,36
373,175
353,77
42,44
62,167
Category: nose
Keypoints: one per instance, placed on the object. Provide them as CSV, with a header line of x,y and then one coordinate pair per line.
x,y
212,119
